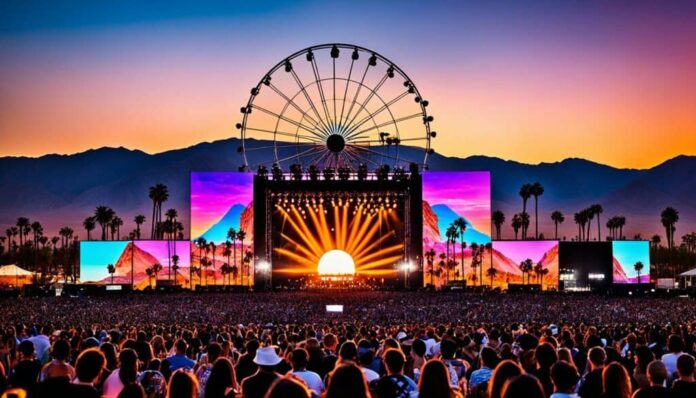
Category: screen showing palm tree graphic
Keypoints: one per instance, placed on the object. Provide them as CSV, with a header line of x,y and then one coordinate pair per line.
x,y
222,220
525,262
111,262
631,261
338,239
456,227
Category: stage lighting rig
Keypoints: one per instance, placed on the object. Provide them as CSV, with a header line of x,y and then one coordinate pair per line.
x,y
296,171
276,172
329,174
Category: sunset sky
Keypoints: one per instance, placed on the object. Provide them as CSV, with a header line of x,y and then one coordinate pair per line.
x,y
610,81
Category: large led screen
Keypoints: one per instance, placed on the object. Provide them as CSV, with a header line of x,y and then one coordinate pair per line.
x,y
631,261
142,262
456,226
525,262
333,239
585,266
222,220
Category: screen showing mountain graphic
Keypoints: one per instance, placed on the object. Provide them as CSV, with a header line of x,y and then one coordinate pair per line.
x,y
454,202
631,261
221,201
96,256
525,262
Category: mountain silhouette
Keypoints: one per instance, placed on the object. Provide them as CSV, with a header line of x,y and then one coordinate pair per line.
x,y
61,190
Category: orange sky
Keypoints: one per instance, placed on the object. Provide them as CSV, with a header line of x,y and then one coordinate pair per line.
x,y
617,91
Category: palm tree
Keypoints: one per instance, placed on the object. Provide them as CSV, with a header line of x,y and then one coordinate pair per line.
x,y
158,194
248,256
224,270
452,236
538,271
669,217
22,225
557,218
241,235
430,256
139,220
498,221
577,218
89,226
638,267
103,215
175,266
149,273
597,210
524,220
526,266
589,216
212,248
232,236
536,190
112,270
441,266
37,230
460,224
117,222
491,273
525,194
656,240
516,224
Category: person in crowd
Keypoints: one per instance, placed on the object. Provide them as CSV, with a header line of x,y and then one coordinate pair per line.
x,y
657,375
675,345
222,382
42,344
143,348
88,368
456,367
245,365
289,386
59,366
523,386
591,386
126,373
685,384
642,359
480,377
434,381
26,371
418,349
366,358
505,371
213,352
395,384
347,381
616,382
182,384
330,354
179,360
299,359
256,385
564,379
545,356
132,390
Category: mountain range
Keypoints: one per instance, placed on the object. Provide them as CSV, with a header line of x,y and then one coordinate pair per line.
x,y
61,190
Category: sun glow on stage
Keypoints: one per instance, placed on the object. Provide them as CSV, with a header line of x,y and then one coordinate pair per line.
x,y
336,263
337,242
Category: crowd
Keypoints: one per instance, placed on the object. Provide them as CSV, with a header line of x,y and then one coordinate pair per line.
x,y
383,345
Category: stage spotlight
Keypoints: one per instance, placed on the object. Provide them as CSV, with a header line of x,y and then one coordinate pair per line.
x,y
276,172
262,172
313,172
296,170
362,172
329,174
263,266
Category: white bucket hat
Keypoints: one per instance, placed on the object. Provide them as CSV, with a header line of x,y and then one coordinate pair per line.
x,y
266,356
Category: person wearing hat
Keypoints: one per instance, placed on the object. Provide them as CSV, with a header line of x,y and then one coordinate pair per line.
x,y
256,385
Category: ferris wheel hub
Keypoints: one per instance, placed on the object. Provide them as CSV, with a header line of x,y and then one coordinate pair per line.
x,y
335,143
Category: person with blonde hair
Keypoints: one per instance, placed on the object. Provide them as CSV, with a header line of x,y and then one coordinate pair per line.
x,y
616,382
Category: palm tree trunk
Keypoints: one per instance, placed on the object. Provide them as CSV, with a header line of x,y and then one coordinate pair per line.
x,y
536,217
556,233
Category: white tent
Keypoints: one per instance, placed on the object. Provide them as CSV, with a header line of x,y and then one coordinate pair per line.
x,y
14,270
688,279
691,272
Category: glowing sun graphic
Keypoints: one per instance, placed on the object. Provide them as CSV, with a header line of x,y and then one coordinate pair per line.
x,y
336,262
346,241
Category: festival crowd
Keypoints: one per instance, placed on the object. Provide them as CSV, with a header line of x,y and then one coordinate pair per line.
x,y
383,345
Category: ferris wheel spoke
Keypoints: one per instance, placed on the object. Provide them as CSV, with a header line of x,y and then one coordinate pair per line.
x,y
309,99
292,103
296,155
334,90
399,120
360,158
345,93
288,120
384,155
372,115
357,92
317,77
265,147
366,101
284,133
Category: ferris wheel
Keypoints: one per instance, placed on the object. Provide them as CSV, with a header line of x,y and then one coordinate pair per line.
x,y
335,106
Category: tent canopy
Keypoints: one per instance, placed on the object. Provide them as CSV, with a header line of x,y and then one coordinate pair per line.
x,y
13,270
691,272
